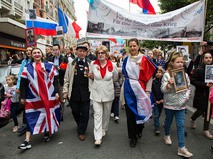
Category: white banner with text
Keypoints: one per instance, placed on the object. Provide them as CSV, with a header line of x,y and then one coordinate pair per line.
x,y
106,20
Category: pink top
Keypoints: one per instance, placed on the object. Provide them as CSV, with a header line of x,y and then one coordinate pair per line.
x,y
211,98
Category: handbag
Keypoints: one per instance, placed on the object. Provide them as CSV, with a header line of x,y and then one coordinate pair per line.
x,y
5,108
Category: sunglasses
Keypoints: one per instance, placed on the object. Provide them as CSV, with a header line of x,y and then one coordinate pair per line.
x,y
101,53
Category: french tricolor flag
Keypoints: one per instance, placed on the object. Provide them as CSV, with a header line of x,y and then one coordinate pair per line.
x,y
70,26
42,26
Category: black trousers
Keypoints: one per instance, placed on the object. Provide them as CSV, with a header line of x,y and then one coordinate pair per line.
x,y
24,120
200,112
80,111
133,128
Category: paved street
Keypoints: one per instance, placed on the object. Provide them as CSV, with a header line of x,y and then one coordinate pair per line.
x,y
66,145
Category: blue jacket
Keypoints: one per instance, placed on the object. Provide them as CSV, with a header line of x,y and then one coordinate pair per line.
x,y
23,64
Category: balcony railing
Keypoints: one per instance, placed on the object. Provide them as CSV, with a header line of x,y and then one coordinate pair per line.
x,y
7,4
10,1
18,6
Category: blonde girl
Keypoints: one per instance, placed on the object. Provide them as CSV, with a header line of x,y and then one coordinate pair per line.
x,y
174,103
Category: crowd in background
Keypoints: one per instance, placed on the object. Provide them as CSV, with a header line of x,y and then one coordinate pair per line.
x,y
140,81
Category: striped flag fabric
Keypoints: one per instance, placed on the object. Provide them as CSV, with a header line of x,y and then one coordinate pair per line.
x,y
42,108
70,26
145,5
135,82
42,26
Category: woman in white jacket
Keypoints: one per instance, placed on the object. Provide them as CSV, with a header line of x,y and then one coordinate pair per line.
x,y
102,91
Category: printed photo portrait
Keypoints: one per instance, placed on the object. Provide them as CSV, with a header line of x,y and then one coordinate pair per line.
x,y
30,37
59,31
184,49
32,13
180,83
209,74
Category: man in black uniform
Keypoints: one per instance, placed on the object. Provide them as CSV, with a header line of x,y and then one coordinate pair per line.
x,y
76,89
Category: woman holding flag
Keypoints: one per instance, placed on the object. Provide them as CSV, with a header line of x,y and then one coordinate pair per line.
x,y
138,71
39,95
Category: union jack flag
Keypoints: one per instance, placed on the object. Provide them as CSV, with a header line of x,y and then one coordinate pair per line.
x,y
42,109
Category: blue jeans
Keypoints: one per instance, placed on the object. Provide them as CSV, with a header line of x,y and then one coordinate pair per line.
x,y
180,119
115,107
157,109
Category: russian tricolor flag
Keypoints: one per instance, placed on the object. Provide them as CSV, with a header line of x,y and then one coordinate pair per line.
x,y
42,26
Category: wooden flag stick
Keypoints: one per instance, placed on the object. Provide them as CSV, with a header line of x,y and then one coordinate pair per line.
x,y
208,110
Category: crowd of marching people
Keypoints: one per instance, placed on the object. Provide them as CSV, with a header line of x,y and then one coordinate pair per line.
x,y
142,83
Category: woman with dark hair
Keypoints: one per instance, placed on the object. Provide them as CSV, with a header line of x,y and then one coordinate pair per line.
x,y
138,72
23,64
201,95
39,95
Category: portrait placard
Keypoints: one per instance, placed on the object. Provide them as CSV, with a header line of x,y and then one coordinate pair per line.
x,y
30,37
180,83
59,31
209,74
32,13
184,49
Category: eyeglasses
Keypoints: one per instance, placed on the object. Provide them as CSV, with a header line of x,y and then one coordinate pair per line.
x,y
101,53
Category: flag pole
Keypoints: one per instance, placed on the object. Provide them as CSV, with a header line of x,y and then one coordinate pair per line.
x,y
129,6
204,21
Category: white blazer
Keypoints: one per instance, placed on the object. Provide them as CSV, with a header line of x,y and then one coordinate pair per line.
x,y
102,89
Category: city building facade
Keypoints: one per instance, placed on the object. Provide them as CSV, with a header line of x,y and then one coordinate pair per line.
x,y
12,24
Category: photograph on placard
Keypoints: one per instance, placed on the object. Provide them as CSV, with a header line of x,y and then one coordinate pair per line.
x,y
32,13
30,37
180,83
209,74
59,31
184,49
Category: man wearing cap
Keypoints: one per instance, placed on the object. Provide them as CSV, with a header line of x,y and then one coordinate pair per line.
x,y
76,89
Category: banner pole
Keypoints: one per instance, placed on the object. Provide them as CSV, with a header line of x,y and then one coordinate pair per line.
x,y
209,104
204,19
129,6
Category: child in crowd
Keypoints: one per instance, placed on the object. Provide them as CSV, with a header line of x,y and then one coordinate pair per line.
x,y
117,88
158,99
174,103
10,93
